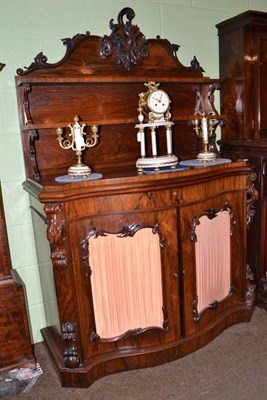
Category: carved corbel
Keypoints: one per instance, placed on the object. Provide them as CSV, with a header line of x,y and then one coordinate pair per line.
x,y
205,103
56,234
54,222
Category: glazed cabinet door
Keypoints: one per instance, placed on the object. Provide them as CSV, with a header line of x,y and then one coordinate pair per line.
x,y
127,280
213,259
258,83
261,237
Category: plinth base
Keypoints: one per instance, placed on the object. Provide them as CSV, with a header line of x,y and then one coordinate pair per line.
x,y
156,162
133,358
79,170
206,156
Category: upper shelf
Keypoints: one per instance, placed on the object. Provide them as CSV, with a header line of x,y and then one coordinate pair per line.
x,y
100,80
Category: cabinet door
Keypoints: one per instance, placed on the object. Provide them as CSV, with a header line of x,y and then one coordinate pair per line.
x,y
261,238
258,83
213,259
128,280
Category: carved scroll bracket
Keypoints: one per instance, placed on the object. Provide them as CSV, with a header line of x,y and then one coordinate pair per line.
x,y
205,99
26,104
33,136
205,103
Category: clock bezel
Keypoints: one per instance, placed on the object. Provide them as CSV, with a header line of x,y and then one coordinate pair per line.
x,y
151,108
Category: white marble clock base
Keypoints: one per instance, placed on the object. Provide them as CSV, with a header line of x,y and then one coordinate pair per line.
x,y
156,162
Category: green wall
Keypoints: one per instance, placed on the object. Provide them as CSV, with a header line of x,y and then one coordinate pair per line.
x,y
31,26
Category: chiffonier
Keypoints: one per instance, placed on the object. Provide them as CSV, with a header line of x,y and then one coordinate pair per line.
x,y
16,349
148,265
243,68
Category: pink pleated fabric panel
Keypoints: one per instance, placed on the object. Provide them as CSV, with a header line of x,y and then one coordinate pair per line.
x,y
126,282
213,259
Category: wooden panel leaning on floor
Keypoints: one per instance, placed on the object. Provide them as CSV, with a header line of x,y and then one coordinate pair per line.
x,y
16,349
128,269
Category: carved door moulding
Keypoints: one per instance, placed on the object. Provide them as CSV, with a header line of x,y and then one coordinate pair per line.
x,y
126,281
211,233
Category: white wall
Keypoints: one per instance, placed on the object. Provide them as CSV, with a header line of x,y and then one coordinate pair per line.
x,y
30,26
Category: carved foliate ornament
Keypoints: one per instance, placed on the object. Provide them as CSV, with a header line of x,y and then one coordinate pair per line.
x,y
212,306
69,331
195,65
211,213
71,358
250,287
252,197
56,234
126,41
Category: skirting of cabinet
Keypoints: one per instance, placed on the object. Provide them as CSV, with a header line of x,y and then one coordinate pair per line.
x,y
123,360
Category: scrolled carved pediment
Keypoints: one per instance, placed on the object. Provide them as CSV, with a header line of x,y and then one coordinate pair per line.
x,y
126,41
125,48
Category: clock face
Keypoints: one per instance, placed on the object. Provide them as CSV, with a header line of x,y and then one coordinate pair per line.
x,y
158,102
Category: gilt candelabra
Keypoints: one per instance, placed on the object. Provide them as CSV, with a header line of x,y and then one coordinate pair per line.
x,y
78,141
204,129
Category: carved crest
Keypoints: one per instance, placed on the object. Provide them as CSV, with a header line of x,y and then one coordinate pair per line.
x,y
125,41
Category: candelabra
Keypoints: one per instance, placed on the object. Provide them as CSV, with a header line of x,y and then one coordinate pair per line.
x,y
204,129
78,141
